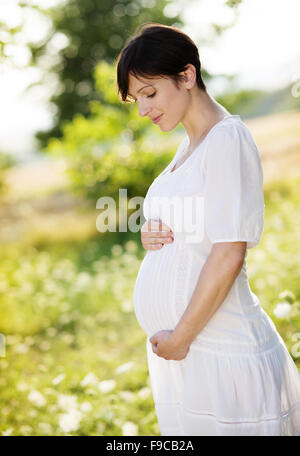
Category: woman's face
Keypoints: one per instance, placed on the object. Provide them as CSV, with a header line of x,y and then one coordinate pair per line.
x,y
159,96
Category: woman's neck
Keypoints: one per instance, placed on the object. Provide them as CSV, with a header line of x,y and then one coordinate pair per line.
x,y
203,113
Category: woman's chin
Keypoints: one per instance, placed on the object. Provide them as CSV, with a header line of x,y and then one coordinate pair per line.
x,y
166,128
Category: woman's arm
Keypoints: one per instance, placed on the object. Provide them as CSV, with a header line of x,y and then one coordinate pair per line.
x,y
215,280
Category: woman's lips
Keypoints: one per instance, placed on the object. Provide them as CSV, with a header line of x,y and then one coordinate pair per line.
x,y
157,119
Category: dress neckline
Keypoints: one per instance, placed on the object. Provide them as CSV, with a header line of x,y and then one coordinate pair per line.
x,y
167,172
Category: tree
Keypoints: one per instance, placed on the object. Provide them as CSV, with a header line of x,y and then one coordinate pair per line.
x,y
91,30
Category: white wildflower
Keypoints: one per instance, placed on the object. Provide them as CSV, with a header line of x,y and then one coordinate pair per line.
x,y
127,305
124,367
7,431
67,338
36,398
89,379
26,429
282,309
131,246
106,386
58,379
83,279
144,392
116,250
86,406
129,428
70,421
127,396
67,401
22,348
22,386
45,428
287,295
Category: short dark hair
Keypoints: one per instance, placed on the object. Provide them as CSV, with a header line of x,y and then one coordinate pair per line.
x,y
157,50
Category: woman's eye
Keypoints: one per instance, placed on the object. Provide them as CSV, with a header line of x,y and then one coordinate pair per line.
x,y
148,96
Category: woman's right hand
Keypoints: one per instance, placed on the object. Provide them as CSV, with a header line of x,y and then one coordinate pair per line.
x,y
154,234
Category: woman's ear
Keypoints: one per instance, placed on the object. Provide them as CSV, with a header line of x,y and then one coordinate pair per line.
x,y
189,76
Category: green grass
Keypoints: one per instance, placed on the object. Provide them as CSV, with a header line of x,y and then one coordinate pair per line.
x,y
66,311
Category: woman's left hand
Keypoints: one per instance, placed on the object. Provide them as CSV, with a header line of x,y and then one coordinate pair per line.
x,y
164,346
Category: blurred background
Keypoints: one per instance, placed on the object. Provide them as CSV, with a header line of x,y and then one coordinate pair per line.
x,y
68,365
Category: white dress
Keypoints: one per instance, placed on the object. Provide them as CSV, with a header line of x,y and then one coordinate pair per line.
x,y
238,377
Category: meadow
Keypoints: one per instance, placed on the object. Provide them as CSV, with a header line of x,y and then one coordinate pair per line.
x,y
75,361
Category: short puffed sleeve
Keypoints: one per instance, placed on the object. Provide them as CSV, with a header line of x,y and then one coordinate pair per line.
x,y
233,186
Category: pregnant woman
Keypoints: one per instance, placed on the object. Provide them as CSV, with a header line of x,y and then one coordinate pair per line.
x,y
217,363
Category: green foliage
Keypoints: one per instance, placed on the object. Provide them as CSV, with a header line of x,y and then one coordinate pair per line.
x,y
96,30
112,149
258,103
241,102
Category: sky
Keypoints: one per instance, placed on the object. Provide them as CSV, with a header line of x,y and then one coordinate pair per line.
x,y
262,48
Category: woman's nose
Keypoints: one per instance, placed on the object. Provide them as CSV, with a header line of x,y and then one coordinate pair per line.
x,y
144,109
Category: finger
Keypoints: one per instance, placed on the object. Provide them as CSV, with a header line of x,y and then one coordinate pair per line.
x,y
151,225
154,246
154,348
157,237
157,225
156,242
156,233
152,240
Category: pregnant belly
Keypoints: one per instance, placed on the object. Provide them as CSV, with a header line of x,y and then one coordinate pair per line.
x,y
163,288
154,291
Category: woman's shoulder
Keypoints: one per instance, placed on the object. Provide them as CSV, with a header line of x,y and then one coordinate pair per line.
x,y
227,125
231,130
230,141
